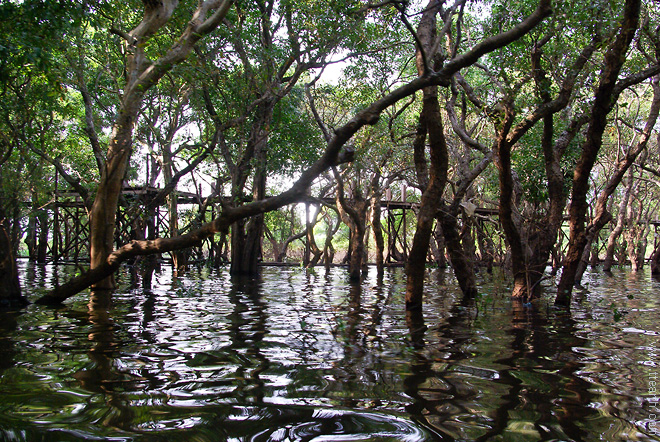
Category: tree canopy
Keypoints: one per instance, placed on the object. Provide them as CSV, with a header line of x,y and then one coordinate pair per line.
x,y
536,109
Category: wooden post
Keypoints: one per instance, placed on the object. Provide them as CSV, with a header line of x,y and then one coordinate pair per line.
x,y
308,227
56,223
404,192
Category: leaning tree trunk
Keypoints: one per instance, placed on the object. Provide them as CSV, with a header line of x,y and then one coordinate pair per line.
x,y
103,212
142,74
605,93
636,153
430,201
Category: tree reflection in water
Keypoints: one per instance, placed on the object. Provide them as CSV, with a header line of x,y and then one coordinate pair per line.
x,y
301,354
520,396
101,374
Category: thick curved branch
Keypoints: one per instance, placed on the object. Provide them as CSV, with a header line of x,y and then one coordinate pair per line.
x,y
198,27
500,40
560,102
298,191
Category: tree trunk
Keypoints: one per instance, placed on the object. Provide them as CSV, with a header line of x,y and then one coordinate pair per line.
x,y
467,240
315,253
507,210
635,237
142,74
603,216
31,233
42,245
614,59
377,228
430,201
10,289
247,236
245,246
655,261
328,249
438,247
618,228
433,183
102,216
461,263
354,215
486,247
584,262
179,257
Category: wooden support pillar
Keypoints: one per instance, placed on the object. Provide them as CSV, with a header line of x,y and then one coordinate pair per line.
x,y
308,230
56,224
404,246
77,234
390,233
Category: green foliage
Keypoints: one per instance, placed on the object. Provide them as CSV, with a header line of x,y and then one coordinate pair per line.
x,y
283,223
295,141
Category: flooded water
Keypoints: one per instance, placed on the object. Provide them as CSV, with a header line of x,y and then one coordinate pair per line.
x,y
303,356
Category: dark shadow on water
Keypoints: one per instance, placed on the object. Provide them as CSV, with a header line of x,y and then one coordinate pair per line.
x,y
448,386
247,329
101,375
302,355
7,345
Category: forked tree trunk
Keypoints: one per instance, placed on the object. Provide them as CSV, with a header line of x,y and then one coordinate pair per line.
x,y
431,197
433,183
103,212
247,236
354,215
